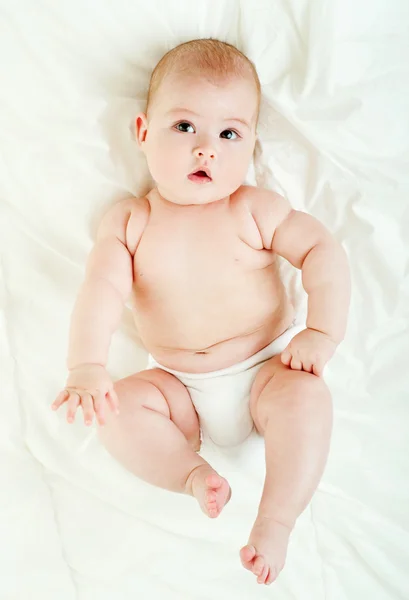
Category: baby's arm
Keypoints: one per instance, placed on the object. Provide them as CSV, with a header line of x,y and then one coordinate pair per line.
x,y
106,287
96,314
309,246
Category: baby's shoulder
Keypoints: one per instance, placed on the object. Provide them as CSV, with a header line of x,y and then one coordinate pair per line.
x,y
126,220
240,205
262,203
252,196
259,211
139,211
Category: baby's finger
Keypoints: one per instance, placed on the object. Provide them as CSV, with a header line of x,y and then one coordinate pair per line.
x,y
99,407
296,364
317,369
61,398
307,366
112,400
87,407
286,357
72,405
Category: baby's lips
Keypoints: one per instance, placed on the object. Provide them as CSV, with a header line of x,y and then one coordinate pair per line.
x,y
200,175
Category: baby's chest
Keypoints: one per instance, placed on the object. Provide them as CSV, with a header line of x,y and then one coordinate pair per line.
x,y
195,257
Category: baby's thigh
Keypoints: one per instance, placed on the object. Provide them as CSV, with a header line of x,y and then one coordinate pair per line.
x,y
157,390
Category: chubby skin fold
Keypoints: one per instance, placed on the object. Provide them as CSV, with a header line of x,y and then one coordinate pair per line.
x,y
197,258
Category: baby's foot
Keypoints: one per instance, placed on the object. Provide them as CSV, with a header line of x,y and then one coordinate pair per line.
x,y
210,490
266,549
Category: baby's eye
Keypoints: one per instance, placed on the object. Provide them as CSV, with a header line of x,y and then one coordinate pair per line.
x,y
182,127
230,135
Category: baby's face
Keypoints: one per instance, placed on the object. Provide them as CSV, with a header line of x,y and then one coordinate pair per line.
x,y
195,124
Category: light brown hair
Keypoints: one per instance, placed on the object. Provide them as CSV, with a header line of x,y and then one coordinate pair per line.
x,y
209,57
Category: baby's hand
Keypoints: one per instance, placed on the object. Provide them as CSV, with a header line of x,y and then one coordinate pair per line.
x,y
89,386
309,351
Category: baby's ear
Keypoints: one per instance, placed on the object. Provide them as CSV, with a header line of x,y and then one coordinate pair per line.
x,y
141,128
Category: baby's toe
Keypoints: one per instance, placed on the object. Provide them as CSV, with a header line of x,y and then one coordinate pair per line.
x,y
214,481
247,554
258,565
211,496
211,504
264,575
272,576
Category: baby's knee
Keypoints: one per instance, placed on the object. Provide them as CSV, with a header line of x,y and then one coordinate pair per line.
x,y
136,392
308,391
297,393
308,396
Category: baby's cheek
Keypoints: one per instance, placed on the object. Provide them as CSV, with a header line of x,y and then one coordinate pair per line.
x,y
161,162
235,172
240,163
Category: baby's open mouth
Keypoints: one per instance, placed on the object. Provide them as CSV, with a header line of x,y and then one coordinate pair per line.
x,y
199,176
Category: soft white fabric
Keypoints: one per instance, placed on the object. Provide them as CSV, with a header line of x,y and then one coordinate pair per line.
x,y
334,139
222,398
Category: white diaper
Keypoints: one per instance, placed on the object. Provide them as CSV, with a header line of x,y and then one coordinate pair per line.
x,y
222,398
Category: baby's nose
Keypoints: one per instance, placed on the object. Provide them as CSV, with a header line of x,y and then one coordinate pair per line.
x,y
205,151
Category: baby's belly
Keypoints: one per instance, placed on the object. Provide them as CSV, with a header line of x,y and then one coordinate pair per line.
x,y
246,337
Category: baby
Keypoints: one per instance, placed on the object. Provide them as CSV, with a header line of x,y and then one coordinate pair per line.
x,y
197,258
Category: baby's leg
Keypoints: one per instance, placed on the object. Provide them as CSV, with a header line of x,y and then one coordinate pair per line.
x,y
293,410
156,436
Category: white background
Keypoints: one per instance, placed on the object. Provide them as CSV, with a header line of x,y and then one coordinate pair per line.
x,y
334,138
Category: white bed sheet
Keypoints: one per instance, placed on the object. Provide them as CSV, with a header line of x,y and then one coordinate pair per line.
x,y
334,139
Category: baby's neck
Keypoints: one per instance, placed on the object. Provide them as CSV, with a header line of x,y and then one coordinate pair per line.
x,y
156,195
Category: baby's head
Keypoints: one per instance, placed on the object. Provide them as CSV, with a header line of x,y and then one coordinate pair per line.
x,y
202,112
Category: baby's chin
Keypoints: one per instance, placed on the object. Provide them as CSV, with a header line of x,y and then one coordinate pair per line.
x,y
199,194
